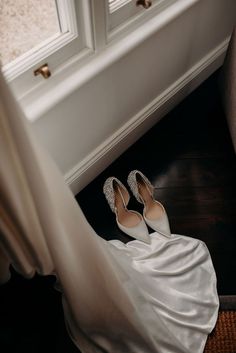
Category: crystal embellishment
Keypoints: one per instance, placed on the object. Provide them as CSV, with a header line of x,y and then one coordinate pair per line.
x,y
108,190
134,185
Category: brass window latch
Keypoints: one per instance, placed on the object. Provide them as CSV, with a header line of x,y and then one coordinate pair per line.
x,y
43,70
144,3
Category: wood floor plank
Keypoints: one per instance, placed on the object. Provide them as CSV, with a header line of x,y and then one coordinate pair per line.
x,y
198,202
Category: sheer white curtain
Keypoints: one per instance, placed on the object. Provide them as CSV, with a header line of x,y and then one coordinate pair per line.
x,y
117,298
229,87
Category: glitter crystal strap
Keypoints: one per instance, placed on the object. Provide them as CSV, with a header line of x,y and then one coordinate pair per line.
x,y
108,190
133,183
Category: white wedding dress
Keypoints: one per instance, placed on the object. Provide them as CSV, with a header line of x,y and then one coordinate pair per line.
x,y
177,280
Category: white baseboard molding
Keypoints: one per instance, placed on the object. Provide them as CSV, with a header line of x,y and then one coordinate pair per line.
x,y
87,169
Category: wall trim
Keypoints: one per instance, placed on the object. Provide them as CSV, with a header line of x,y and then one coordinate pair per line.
x,y
96,161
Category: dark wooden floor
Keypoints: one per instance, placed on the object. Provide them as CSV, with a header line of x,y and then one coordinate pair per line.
x,y
189,157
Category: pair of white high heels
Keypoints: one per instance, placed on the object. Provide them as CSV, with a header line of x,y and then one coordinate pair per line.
x,y
132,222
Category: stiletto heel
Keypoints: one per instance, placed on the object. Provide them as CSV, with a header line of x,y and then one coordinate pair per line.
x,y
129,221
154,212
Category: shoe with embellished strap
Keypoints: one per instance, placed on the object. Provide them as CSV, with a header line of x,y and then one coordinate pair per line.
x,y
129,221
154,212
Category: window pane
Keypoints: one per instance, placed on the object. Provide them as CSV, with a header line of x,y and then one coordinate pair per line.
x,y
116,4
25,24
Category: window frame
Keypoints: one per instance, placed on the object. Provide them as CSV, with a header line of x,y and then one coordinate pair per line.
x,y
74,41
126,19
97,41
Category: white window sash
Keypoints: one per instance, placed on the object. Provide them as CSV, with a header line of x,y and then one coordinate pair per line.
x,y
56,50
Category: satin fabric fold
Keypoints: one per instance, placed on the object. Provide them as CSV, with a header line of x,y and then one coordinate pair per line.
x,y
113,294
178,280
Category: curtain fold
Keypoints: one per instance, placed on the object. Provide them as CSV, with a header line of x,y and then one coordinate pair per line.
x,y
228,87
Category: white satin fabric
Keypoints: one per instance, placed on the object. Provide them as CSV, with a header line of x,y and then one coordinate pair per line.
x,y
134,298
178,280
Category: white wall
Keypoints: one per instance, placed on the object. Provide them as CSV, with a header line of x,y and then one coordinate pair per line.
x,y
100,118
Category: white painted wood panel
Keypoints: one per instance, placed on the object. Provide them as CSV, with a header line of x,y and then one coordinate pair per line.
x,y
107,110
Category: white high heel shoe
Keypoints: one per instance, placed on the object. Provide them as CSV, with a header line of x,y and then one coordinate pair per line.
x,y
154,212
129,221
